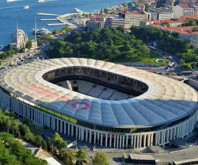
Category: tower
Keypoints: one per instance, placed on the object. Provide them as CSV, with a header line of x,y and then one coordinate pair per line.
x,y
34,41
17,35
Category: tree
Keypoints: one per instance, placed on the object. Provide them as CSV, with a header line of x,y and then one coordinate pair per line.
x,y
190,22
124,4
106,11
167,24
28,44
58,141
81,155
38,141
146,7
145,51
100,158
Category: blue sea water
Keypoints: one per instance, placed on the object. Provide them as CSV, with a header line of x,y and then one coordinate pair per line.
x,y
13,12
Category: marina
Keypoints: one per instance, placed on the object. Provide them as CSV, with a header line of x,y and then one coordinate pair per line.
x,y
49,9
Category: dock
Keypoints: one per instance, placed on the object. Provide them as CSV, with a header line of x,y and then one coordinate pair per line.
x,y
50,19
56,24
47,14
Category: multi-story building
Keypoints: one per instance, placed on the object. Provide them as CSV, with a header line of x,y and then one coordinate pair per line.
x,y
196,10
126,19
182,10
96,21
172,22
134,18
161,13
92,25
114,22
185,33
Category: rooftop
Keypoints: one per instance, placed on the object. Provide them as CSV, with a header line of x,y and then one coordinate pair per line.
x,y
165,101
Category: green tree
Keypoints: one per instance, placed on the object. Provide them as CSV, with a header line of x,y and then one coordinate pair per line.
x,y
100,158
28,44
146,7
190,22
58,141
167,24
81,155
106,11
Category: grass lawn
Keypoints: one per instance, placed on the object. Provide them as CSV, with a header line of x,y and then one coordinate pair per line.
x,y
152,59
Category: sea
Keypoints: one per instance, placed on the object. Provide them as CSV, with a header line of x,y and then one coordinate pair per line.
x,y
12,13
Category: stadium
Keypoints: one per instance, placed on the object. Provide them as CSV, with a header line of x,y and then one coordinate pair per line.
x,y
101,103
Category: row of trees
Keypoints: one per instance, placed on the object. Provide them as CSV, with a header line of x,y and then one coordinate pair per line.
x,y
13,152
31,133
169,43
106,44
8,52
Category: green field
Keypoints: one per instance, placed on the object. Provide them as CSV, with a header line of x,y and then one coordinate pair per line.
x,y
152,59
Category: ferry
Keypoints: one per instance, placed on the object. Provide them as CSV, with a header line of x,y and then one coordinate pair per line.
x,y
42,31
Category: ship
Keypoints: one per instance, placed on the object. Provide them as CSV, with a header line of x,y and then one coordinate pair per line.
x,y
26,7
42,31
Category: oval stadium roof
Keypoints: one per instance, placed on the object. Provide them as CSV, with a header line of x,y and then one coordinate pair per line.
x,y
165,101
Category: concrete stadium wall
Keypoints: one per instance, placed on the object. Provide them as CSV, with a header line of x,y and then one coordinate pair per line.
x,y
120,140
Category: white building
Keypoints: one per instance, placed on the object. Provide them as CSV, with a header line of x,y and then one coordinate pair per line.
x,y
95,22
161,14
114,22
182,10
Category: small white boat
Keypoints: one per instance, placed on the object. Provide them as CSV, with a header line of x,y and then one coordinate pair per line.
x,y
41,0
26,7
10,1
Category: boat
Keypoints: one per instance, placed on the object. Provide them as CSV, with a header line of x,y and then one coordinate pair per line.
x,y
42,31
41,0
26,7
10,1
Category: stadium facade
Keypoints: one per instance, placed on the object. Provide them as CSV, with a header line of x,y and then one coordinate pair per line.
x,y
158,109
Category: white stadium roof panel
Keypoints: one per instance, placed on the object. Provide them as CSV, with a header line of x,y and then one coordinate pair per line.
x,y
166,100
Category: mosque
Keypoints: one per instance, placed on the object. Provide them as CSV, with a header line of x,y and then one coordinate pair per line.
x,y
18,39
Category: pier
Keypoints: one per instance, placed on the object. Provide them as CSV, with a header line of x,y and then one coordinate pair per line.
x,y
50,19
47,14
56,24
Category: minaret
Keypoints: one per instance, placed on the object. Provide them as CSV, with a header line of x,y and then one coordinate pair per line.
x,y
34,42
17,29
35,30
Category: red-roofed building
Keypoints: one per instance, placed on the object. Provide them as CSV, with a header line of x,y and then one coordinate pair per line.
x,y
182,10
185,33
96,21
172,22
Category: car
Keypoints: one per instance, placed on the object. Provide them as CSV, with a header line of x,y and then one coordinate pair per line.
x,y
85,160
